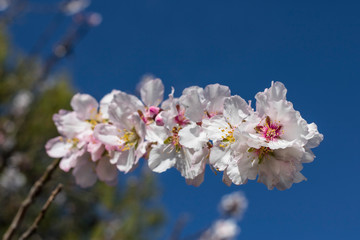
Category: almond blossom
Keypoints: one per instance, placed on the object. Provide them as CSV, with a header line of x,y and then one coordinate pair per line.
x,y
279,141
77,146
168,150
124,135
229,143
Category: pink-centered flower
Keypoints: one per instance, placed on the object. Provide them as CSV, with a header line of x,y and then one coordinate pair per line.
x,y
278,141
77,144
169,148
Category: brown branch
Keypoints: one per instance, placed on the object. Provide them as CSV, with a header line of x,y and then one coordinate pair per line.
x,y
32,229
34,191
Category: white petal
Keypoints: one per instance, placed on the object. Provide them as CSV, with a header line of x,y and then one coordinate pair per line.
x,y
275,93
58,147
282,169
140,151
191,163
220,157
156,134
69,125
242,169
84,173
105,102
257,141
226,179
214,126
216,94
197,180
126,160
236,110
85,106
96,150
314,137
152,92
308,156
140,127
125,104
233,172
193,136
106,171
71,160
107,134
161,158
194,103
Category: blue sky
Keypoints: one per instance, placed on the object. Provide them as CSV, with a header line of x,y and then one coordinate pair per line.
x,y
310,46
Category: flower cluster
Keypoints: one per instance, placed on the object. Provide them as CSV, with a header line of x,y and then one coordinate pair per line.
x,y
204,126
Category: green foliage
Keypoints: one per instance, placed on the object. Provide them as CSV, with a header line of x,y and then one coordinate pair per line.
x,y
129,211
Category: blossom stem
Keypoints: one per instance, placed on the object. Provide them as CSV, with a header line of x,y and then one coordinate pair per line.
x,y
34,191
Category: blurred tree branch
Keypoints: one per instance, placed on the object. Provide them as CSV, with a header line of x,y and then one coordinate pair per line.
x,y
131,211
31,230
34,191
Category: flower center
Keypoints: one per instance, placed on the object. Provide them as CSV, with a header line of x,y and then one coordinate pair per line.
x,y
96,119
150,114
262,153
174,139
180,118
271,130
129,139
228,138
74,141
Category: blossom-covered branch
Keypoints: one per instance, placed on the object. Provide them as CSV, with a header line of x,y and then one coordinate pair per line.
x,y
204,126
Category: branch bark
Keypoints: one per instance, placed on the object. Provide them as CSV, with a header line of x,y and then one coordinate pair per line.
x,y
32,229
34,191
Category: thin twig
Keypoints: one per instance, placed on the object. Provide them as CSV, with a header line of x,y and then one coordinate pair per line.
x,y
34,191
32,229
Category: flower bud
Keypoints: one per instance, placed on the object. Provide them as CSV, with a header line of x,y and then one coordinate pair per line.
x,y
159,120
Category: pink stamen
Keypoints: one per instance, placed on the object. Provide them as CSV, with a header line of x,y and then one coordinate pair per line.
x,y
271,131
180,118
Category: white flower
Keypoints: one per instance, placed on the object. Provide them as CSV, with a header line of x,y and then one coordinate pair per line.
x,y
12,179
278,140
229,143
233,204
21,102
222,230
4,5
169,152
75,6
124,140
179,143
124,135
191,147
77,138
